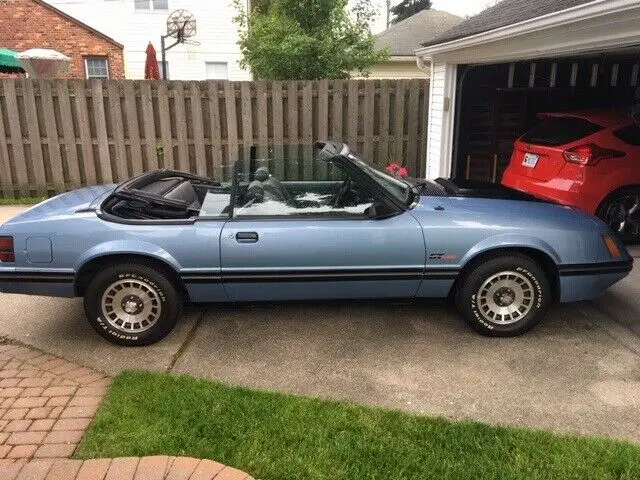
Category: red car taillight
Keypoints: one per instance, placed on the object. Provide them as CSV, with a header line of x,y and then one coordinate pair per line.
x,y
6,250
590,154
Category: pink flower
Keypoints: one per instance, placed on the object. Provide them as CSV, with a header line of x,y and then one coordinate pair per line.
x,y
392,168
397,170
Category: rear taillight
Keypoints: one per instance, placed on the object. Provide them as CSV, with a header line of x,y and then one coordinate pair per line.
x,y
590,154
6,250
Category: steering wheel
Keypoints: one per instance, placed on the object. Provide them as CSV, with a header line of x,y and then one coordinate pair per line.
x,y
338,201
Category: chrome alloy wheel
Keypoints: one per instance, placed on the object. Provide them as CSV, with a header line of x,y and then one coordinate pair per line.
x,y
623,215
505,298
131,305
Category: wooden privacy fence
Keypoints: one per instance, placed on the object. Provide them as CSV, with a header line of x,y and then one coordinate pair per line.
x,y
56,135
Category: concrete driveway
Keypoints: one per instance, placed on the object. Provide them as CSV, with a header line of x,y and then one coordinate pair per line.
x,y
578,371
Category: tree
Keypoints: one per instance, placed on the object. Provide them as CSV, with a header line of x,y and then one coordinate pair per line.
x,y
261,5
408,8
312,39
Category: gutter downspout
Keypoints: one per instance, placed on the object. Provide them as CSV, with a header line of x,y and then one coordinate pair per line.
x,y
422,65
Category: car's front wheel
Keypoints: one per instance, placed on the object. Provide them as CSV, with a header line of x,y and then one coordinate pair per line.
x,y
504,295
132,304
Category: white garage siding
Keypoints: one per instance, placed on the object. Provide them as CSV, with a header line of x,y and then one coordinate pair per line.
x,y
440,127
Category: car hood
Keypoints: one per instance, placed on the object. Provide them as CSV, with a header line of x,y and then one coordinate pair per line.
x,y
69,203
501,206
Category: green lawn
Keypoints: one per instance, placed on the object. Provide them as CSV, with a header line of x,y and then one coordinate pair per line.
x,y
21,201
279,437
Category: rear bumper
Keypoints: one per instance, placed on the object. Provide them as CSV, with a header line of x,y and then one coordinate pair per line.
x,y
587,281
51,284
566,191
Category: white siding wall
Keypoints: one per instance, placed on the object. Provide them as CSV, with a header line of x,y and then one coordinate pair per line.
x,y
440,127
217,34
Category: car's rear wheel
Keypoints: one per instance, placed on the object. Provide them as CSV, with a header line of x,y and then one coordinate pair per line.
x,y
132,304
621,211
504,295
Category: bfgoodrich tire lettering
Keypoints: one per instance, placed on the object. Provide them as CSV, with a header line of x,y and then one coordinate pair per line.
x,y
504,295
132,304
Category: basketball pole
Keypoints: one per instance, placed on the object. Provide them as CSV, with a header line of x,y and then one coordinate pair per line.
x,y
164,58
164,49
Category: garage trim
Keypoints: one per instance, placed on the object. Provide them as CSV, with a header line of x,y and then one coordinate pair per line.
x,y
580,13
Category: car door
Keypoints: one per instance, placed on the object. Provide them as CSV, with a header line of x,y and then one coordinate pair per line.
x,y
281,245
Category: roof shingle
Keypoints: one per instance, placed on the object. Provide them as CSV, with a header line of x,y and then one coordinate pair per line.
x,y
506,12
404,37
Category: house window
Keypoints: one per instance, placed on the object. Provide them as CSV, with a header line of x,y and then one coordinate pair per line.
x,y
151,4
217,71
97,67
160,69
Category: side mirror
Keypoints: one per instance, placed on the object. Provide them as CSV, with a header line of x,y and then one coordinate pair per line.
x,y
379,210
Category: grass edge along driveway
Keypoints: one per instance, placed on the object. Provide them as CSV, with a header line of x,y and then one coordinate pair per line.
x,y
274,436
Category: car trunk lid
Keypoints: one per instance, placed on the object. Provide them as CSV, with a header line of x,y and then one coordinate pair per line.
x,y
537,161
69,203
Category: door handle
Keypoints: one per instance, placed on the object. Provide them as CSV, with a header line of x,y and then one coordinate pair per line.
x,y
246,237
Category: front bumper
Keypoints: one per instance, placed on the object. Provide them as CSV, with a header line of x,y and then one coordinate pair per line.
x,y
588,281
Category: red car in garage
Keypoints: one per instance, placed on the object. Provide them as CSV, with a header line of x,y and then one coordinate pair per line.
x,y
587,159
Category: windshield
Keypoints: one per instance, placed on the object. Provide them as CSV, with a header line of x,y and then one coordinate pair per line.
x,y
396,187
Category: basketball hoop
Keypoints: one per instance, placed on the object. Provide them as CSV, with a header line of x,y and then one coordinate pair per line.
x,y
181,25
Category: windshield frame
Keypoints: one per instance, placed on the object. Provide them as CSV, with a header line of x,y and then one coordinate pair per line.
x,y
386,182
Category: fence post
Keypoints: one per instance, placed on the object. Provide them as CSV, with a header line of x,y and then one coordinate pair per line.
x,y
216,134
198,129
70,147
37,160
53,143
5,168
97,98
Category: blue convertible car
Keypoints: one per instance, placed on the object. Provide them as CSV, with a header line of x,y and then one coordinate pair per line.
x,y
331,226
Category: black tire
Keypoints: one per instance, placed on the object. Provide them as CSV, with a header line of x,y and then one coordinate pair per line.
x,y
615,208
531,291
146,291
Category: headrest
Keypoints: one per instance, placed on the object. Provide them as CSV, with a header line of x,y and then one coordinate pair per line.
x,y
261,174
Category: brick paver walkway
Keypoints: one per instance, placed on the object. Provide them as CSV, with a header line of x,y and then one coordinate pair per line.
x,y
46,404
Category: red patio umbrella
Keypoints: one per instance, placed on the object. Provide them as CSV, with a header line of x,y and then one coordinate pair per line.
x,y
151,70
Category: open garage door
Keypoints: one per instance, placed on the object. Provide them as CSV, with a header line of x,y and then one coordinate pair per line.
x,y
497,103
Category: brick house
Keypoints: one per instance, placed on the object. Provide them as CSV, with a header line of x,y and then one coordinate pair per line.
x,y
28,24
